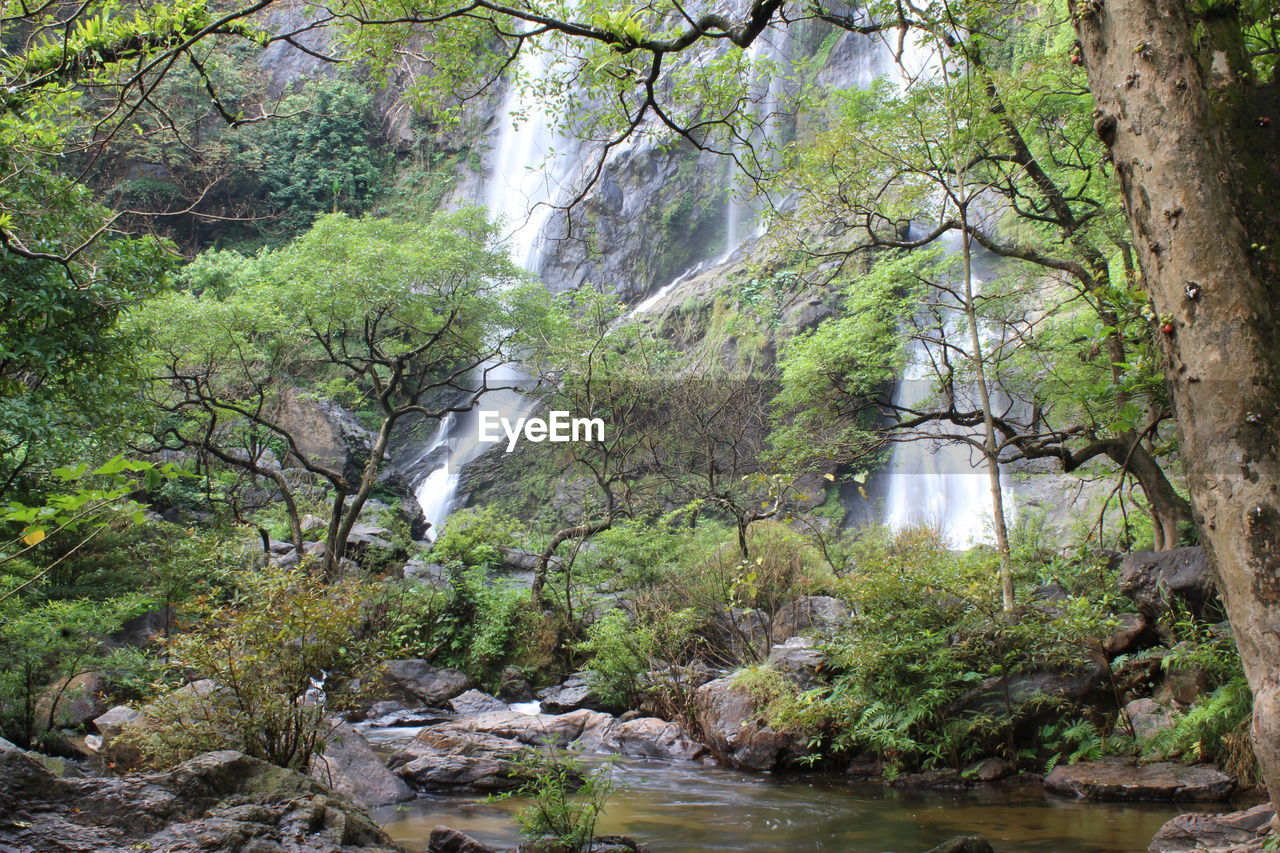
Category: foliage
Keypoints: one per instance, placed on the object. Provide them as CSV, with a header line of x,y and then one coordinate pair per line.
x,y
565,801
323,159
1215,729
929,629
475,537
260,648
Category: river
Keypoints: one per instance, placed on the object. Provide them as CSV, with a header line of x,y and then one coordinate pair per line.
x,y
686,808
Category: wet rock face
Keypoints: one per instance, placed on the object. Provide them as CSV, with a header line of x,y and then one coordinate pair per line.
x,y
216,801
1234,832
1123,779
1155,579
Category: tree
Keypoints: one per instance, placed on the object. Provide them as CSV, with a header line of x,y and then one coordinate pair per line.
x,y
409,319
1185,97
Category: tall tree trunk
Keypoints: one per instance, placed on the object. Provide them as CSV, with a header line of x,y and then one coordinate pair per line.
x,y
991,446
1191,141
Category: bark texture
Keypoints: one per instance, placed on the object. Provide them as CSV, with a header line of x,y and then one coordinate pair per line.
x,y
1191,137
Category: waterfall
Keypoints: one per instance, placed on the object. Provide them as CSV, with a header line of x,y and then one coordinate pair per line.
x,y
525,172
767,57
941,483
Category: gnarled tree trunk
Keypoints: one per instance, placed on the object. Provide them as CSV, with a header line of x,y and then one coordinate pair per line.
x,y
1191,139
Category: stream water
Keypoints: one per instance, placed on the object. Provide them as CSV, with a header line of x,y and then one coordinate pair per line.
x,y
677,808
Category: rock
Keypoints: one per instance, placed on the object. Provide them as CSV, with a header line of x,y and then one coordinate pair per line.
x,y
601,844
1123,779
1234,832
1132,633
141,630
325,432
446,840
520,560
430,684
349,766
441,758
575,693
650,737
735,635
1052,591
813,616
989,696
988,770
406,717
798,660
475,702
513,687
71,703
112,726
531,729
1182,685
1154,578
1148,718
727,715
963,844
433,574
946,779
216,801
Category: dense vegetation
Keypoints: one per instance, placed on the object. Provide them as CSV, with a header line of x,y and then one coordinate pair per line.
x,y
233,306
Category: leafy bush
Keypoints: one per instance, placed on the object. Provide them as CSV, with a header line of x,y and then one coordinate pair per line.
x,y
475,537
261,649
929,628
564,801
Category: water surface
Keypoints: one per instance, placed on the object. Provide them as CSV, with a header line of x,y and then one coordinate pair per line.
x,y
678,808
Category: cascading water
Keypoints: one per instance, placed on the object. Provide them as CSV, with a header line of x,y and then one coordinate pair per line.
x,y
767,60
525,171
940,483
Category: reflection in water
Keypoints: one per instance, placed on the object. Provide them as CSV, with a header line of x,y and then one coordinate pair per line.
x,y
688,808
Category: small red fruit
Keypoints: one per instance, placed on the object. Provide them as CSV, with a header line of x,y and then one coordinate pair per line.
x,y
1167,328
1075,59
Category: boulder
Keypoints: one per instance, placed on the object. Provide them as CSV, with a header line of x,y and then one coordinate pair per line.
x,y
798,660
474,702
1124,779
533,729
216,801
349,766
440,758
735,635
1153,579
112,726
988,770
1234,832
1182,685
420,680
446,840
1148,718
727,716
514,687
72,703
813,616
650,737
989,696
1132,633
963,844
575,693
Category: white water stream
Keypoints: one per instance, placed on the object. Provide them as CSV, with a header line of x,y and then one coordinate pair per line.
x,y
525,172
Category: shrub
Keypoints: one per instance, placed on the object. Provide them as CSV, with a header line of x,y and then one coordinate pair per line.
x,y
475,537
261,649
564,801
